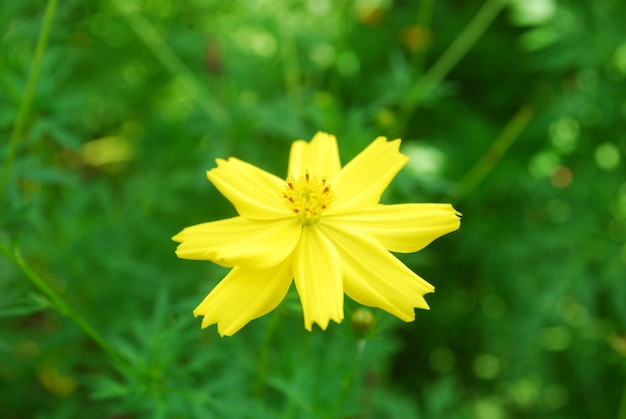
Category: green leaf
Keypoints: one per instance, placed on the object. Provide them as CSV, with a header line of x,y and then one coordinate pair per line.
x,y
33,304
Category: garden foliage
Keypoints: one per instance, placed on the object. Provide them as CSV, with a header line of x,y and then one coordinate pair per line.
x,y
112,111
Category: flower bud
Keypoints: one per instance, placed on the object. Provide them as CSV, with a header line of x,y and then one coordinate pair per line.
x,y
362,320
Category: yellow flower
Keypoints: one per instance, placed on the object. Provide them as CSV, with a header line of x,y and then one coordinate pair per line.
x,y
323,228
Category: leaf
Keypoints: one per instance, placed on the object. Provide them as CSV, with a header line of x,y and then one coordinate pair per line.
x,y
33,305
291,392
108,388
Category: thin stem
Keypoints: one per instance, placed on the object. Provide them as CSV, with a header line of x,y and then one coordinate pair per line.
x,y
487,162
291,67
621,414
264,353
60,304
168,58
345,26
27,98
348,379
423,21
450,58
461,45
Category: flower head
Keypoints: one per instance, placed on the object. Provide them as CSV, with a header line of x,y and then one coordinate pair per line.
x,y
322,228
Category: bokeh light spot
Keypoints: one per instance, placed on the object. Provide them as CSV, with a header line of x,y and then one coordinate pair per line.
x,y
463,301
323,55
256,41
575,314
55,381
386,117
319,7
563,134
561,177
488,409
487,366
177,99
442,359
543,163
423,158
417,38
532,12
248,99
555,396
556,338
607,156
619,58
134,73
107,150
526,391
559,210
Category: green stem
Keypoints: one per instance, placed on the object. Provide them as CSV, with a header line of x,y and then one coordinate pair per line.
x,y
345,27
60,304
27,98
450,58
423,21
348,379
621,414
487,162
291,67
264,353
151,38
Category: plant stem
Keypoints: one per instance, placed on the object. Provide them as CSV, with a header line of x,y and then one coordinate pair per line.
x,y
621,414
348,379
60,304
168,58
487,162
423,21
27,98
264,354
449,59
291,67
461,45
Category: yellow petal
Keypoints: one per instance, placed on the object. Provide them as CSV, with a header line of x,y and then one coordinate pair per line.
x,y
240,242
255,193
317,272
363,180
244,295
374,277
404,227
320,157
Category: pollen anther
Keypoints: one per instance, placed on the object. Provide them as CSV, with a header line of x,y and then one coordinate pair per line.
x,y
307,197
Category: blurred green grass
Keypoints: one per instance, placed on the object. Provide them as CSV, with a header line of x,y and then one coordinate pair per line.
x,y
136,99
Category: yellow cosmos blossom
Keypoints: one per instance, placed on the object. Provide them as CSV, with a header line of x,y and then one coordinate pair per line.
x,y
322,228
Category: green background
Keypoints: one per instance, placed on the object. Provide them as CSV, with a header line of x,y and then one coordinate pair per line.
x,y
112,111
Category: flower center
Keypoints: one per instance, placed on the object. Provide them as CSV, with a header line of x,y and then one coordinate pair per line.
x,y
308,197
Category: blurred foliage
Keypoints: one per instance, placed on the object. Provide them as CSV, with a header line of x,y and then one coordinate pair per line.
x,y
513,110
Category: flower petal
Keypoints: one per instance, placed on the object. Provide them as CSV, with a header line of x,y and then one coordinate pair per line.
x,y
403,227
240,242
374,277
320,157
244,295
363,180
254,192
317,272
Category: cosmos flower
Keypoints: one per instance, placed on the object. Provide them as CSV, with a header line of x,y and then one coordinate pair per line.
x,y
322,228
